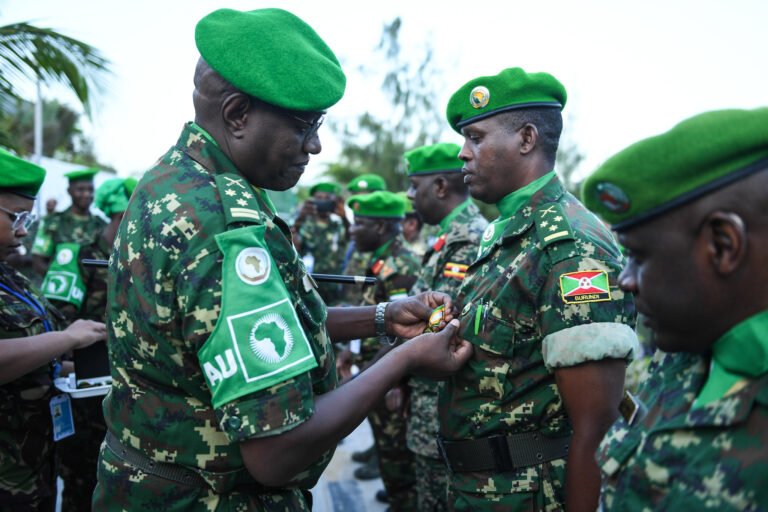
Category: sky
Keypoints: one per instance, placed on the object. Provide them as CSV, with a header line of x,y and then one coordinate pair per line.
x,y
631,69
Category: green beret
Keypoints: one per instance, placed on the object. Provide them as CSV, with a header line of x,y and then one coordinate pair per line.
x,y
331,188
408,203
437,158
273,55
82,174
381,204
112,196
366,183
130,185
694,158
19,176
511,89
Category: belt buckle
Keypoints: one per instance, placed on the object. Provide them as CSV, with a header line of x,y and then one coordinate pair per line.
x,y
500,452
441,449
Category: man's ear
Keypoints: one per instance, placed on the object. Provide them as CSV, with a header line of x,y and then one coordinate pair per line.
x,y
726,241
234,113
440,185
529,134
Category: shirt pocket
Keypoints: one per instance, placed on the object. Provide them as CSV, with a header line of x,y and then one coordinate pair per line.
x,y
494,339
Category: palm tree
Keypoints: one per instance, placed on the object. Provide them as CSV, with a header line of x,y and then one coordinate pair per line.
x,y
30,54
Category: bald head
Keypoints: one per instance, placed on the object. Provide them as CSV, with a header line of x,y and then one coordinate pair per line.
x,y
211,90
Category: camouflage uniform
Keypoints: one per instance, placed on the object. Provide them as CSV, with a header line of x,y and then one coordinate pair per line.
x,y
327,241
677,458
27,472
165,296
352,295
396,270
443,271
508,385
78,454
66,227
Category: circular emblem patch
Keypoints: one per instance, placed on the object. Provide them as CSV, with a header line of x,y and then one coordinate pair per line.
x,y
64,256
271,339
253,265
488,233
612,197
362,184
479,96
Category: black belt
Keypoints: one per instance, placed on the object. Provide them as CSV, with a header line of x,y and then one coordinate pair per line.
x,y
499,454
172,472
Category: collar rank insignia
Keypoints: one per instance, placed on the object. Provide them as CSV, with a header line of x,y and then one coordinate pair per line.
x,y
582,287
456,270
440,242
376,267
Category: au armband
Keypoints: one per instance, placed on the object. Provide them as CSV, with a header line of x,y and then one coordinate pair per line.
x,y
258,340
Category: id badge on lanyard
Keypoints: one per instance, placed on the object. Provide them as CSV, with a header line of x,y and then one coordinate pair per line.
x,y
61,414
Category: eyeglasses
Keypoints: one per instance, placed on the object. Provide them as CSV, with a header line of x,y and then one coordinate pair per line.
x,y
20,219
311,128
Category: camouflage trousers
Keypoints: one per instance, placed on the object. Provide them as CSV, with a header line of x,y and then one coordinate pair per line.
x,y
79,454
544,492
27,462
396,463
431,484
122,486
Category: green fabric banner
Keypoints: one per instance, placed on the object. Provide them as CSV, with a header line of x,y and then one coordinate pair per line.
x,y
258,340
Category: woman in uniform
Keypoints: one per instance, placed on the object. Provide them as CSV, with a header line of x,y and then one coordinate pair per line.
x,y
30,341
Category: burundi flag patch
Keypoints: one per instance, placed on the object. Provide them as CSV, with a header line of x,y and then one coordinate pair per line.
x,y
587,286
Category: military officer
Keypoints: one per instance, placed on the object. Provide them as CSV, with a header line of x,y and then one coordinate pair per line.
x,y
223,375
76,224
30,340
321,235
441,198
377,233
85,297
689,208
521,422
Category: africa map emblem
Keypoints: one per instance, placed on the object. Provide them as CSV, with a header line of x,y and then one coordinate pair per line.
x,y
271,339
253,265
587,286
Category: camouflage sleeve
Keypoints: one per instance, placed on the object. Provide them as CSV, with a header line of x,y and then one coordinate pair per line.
x,y
584,314
269,411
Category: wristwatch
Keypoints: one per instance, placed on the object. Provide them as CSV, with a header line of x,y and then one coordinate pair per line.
x,y
380,324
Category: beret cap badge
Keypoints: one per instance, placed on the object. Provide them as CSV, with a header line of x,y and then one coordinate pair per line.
x,y
479,97
612,197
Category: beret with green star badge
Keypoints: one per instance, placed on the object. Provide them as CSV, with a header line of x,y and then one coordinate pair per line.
x,y
511,89
434,159
367,183
696,157
82,174
19,176
380,204
272,55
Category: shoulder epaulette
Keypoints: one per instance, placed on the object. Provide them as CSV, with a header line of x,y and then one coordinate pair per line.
x,y
553,228
388,268
238,199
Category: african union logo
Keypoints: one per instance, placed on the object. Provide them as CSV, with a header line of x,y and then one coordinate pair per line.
x,y
64,256
362,184
253,265
57,284
588,286
488,234
271,339
479,97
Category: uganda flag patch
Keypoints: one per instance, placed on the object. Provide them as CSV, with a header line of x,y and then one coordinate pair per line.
x,y
581,287
456,270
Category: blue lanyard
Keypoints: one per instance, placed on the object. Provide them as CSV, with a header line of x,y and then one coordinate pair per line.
x,y
33,304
